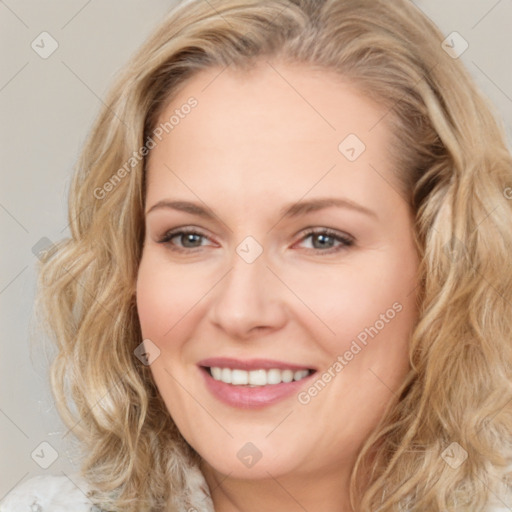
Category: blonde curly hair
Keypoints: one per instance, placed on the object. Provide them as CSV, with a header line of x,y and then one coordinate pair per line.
x,y
455,168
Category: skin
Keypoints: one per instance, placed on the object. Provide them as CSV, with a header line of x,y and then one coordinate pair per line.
x,y
255,142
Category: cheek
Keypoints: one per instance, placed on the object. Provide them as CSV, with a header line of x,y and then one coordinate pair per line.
x,y
357,301
152,301
372,311
165,295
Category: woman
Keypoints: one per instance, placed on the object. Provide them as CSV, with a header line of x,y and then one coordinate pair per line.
x,y
288,280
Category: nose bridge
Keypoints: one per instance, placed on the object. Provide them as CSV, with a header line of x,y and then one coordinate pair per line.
x,y
250,268
248,296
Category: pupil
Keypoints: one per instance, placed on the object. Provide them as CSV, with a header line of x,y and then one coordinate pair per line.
x,y
189,238
322,238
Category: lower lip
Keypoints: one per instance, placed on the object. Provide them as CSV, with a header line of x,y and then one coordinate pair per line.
x,y
251,397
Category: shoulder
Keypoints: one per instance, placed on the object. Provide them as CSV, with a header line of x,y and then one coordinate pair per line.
x,y
501,494
49,494
501,502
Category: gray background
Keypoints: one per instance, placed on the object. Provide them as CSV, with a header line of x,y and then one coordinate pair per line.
x,y
47,107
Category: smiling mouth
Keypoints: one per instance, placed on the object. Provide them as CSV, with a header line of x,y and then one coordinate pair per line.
x,y
255,378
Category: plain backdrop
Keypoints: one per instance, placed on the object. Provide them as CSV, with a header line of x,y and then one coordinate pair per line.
x,y
47,106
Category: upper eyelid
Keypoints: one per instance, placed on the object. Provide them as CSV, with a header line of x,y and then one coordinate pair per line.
x,y
171,233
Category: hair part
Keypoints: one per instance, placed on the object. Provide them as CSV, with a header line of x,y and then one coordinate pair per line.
x,y
452,166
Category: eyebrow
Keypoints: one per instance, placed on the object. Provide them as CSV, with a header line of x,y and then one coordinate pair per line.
x,y
288,211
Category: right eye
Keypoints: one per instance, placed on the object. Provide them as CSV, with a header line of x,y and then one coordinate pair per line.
x,y
188,239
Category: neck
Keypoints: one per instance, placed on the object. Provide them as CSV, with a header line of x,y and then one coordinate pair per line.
x,y
326,492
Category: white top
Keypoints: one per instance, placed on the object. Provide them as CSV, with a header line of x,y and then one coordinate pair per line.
x,y
49,494
69,494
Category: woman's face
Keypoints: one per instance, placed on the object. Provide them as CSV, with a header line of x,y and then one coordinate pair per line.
x,y
257,167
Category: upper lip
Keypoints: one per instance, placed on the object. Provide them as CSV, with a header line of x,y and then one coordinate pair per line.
x,y
250,364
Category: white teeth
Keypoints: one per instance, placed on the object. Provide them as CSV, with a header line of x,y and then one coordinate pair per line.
x,y
287,376
225,376
239,377
256,377
217,373
299,374
273,376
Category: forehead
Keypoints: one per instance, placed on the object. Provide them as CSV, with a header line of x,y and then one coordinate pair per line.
x,y
278,125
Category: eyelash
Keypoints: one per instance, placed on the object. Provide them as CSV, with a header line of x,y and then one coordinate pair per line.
x,y
346,241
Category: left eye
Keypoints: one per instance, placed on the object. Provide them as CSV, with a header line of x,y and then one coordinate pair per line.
x,y
326,238
323,240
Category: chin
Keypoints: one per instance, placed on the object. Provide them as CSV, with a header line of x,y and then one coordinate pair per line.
x,y
249,463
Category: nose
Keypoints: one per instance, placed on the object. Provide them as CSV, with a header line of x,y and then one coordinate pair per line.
x,y
249,299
